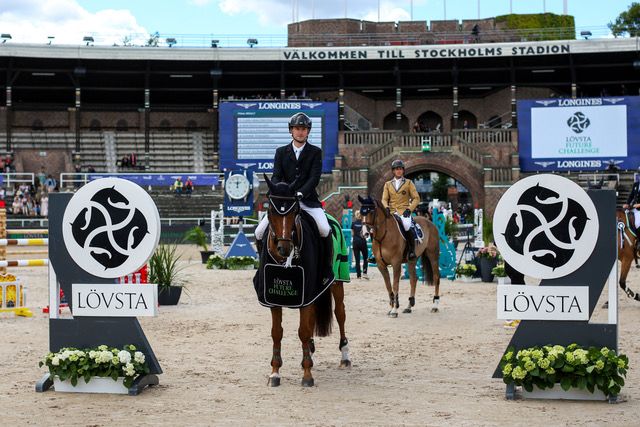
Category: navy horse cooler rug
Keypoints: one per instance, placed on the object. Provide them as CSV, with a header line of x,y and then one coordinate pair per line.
x,y
301,283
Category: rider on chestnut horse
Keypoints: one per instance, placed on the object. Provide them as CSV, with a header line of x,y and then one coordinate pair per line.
x,y
401,198
300,164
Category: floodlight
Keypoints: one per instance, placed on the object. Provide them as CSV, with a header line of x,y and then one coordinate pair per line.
x,y
88,39
252,42
5,37
585,34
171,41
214,43
50,39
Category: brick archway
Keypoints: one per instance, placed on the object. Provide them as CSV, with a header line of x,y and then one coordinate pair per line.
x,y
469,175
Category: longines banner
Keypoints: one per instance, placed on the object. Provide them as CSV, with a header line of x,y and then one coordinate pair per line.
x,y
579,134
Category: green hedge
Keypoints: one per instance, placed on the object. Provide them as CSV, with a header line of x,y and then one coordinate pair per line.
x,y
565,25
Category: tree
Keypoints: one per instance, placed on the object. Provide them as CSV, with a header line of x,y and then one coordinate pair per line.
x,y
627,22
153,39
440,186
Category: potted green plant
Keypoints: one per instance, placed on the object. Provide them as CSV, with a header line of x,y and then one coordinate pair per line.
x,y
576,370
101,369
165,272
466,272
197,236
500,272
215,262
240,262
488,258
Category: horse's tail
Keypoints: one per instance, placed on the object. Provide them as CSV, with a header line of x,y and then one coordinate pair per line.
x,y
427,270
324,314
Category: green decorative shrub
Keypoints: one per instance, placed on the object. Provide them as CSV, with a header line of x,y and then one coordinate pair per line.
x,y
551,26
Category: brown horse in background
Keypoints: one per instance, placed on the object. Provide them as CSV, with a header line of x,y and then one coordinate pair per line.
x,y
388,246
626,250
282,241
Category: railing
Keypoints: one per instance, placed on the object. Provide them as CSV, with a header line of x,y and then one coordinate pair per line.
x,y
351,176
435,139
471,153
476,136
18,178
501,175
376,137
357,120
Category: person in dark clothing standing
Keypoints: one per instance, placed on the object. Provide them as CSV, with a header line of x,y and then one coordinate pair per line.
x,y
359,246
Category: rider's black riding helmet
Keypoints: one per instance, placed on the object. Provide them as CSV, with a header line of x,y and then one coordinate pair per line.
x,y
397,164
300,119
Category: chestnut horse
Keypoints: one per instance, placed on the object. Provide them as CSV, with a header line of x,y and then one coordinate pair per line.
x,y
626,250
388,248
283,241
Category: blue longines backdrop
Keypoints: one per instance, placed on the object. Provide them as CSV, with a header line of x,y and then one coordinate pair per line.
x,y
579,134
250,132
207,179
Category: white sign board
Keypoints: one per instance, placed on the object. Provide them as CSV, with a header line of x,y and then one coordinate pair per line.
x,y
543,302
107,300
578,132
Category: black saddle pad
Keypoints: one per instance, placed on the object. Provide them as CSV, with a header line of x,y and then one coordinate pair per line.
x,y
299,284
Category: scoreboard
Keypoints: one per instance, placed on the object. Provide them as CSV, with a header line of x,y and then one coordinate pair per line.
x,y
250,132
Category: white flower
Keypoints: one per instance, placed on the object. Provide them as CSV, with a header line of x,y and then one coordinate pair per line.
x,y
124,356
138,357
129,369
55,361
93,354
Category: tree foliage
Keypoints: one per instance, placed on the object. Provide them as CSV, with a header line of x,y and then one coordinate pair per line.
x,y
628,22
539,26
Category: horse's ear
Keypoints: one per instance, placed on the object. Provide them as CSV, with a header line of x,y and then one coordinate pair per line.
x,y
360,199
268,181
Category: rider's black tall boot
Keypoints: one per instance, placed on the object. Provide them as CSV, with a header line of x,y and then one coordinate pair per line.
x,y
411,244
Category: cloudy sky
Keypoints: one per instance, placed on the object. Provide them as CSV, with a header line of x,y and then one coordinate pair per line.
x,y
197,21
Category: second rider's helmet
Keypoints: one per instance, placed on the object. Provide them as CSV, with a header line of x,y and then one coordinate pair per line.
x,y
300,119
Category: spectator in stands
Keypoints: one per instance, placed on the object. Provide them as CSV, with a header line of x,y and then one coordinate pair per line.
x,y
178,185
3,192
91,169
50,183
293,96
416,127
465,125
133,160
42,176
44,205
124,162
77,179
8,163
188,187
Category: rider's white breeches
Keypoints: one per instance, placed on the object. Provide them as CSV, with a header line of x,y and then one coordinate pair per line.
x,y
317,214
636,215
406,222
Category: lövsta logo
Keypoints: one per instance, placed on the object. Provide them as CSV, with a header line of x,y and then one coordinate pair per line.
x,y
111,227
545,226
578,122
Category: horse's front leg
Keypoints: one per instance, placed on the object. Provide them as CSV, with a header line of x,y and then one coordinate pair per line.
x,y
384,271
337,290
395,298
276,336
413,280
305,332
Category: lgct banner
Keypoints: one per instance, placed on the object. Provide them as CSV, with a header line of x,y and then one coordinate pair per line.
x,y
579,134
160,179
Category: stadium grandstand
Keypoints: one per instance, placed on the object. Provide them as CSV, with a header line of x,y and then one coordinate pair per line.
x,y
399,87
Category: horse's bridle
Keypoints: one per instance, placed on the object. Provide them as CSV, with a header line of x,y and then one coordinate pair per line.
x,y
295,207
368,208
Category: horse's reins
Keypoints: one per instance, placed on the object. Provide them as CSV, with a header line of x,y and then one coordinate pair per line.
x,y
372,226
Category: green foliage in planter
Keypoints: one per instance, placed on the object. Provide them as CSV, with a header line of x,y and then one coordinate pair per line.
x,y
163,267
197,236
572,366
467,270
215,260
499,271
237,262
102,361
552,26
449,226
487,230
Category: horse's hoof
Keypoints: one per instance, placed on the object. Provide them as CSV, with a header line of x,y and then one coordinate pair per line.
x,y
345,364
393,314
274,381
434,310
407,310
605,305
307,383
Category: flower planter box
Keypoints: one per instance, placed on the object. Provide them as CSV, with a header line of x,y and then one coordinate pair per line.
x,y
169,296
486,265
96,385
504,281
205,255
242,267
468,279
556,392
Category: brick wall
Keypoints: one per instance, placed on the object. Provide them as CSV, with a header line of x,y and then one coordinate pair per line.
x,y
51,120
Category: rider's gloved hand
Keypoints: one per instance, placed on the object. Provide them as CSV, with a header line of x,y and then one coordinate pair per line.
x,y
388,211
299,195
406,213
